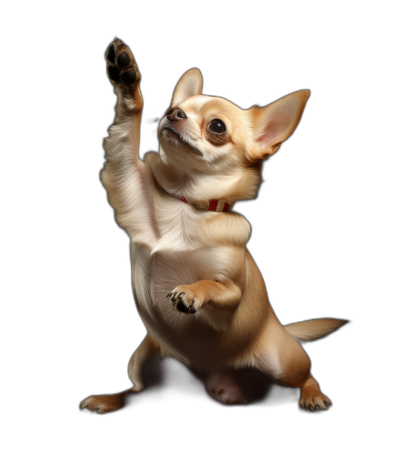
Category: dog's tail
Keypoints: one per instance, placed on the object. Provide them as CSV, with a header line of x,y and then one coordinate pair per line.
x,y
310,330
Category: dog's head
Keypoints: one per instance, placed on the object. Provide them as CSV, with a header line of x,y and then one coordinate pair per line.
x,y
210,139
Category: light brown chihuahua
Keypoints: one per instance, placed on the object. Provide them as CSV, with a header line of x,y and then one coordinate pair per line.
x,y
196,286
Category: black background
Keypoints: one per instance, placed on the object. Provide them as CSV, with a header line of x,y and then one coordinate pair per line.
x,y
308,222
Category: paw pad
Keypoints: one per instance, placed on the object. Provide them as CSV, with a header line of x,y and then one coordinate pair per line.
x,y
111,54
123,60
121,63
113,73
129,77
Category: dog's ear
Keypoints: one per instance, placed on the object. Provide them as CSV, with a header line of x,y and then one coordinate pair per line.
x,y
190,84
276,122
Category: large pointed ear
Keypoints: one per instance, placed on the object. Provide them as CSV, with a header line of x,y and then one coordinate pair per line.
x,y
276,122
190,84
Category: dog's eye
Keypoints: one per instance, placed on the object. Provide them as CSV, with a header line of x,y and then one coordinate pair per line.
x,y
217,126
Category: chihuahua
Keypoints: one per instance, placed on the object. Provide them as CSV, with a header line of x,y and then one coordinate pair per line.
x,y
198,291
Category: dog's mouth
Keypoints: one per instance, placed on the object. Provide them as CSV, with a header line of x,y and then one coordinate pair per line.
x,y
170,133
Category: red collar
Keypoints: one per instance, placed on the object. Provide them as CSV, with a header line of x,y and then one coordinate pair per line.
x,y
215,205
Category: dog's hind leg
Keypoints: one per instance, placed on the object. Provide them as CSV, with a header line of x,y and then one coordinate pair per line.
x,y
150,368
123,175
282,358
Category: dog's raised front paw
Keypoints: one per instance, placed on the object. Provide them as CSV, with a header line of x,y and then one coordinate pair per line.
x,y
184,299
121,65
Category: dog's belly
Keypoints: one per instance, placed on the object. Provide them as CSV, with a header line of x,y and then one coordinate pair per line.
x,y
156,274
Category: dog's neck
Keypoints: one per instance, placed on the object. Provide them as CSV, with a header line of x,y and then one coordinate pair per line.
x,y
214,205
204,192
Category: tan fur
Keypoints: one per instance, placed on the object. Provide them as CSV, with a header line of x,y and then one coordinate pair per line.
x,y
196,286
104,403
310,330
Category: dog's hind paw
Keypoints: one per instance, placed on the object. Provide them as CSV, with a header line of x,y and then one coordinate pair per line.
x,y
121,65
314,402
104,403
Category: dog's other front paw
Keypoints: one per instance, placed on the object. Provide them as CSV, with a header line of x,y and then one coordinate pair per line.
x,y
184,299
121,65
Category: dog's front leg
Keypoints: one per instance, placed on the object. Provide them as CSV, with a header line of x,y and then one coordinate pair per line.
x,y
221,298
123,175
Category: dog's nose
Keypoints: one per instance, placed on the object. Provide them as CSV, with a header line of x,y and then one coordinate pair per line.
x,y
176,114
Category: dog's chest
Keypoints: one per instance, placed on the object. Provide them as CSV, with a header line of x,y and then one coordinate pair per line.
x,y
177,259
174,260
